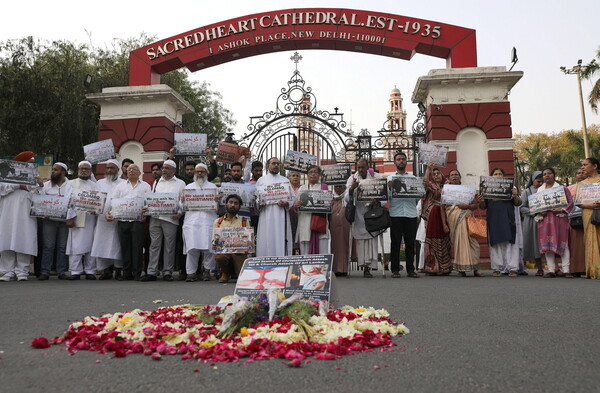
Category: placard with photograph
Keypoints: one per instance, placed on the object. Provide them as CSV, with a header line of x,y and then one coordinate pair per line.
x,y
16,172
315,201
49,206
495,187
99,151
189,143
407,187
587,193
307,274
245,191
271,194
239,240
453,194
370,189
298,162
91,201
230,153
336,174
198,200
435,154
544,200
161,203
126,209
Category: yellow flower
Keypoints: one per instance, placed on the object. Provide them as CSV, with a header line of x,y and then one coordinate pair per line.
x,y
360,310
206,344
244,332
126,320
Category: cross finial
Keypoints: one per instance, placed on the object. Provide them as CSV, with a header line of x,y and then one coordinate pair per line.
x,y
296,58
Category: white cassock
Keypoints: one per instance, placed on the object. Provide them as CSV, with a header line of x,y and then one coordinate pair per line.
x,y
197,234
81,237
18,231
274,225
106,247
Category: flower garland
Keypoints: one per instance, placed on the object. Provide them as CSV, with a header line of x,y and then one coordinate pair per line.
x,y
296,331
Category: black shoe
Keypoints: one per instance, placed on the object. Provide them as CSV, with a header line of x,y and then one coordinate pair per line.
x,y
90,276
118,273
168,277
43,277
125,277
182,276
73,277
63,276
148,277
107,275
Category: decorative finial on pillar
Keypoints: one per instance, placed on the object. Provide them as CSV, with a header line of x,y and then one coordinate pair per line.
x,y
296,59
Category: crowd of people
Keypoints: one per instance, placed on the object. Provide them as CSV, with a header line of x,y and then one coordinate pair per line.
x,y
436,237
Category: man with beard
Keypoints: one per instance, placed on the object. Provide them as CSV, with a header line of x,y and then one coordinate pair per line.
x,y
231,264
55,233
403,212
164,227
197,230
124,165
105,247
339,228
274,237
227,176
156,169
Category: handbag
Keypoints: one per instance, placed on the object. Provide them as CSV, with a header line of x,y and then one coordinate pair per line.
x,y
350,211
576,222
596,217
477,227
318,223
377,220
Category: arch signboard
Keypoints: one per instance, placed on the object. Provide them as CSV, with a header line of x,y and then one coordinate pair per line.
x,y
369,32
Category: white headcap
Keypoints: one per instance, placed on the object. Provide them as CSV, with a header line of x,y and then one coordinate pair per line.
x,y
170,163
201,165
114,162
62,164
84,162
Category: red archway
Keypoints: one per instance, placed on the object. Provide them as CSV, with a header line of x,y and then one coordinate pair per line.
x,y
369,32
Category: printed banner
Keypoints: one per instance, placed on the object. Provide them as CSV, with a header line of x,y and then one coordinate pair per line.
x,y
233,240
16,172
298,162
407,187
552,198
99,151
49,206
336,174
587,193
126,209
453,194
161,203
89,201
307,274
370,189
271,194
198,200
189,143
315,201
230,153
245,191
437,155
496,187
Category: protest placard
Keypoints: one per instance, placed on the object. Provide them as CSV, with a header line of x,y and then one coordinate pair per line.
x,y
298,162
126,209
99,151
189,143
16,172
587,193
49,206
196,199
230,153
437,155
307,274
271,194
453,194
88,200
370,189
495,187
238,240
161,203
336,174
245,191
407,187
315,201
544,200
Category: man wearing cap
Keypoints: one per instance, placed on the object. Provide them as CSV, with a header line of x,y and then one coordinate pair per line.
x,y
197,230
18,237
164,226
54,232
106,247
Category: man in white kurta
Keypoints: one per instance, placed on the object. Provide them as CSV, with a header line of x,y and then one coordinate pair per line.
x,y
81,229
197,230
274,235
106,247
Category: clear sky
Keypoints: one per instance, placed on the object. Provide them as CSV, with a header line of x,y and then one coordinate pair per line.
x,y
547,35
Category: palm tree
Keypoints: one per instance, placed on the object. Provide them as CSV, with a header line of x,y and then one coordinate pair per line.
x,y
588,72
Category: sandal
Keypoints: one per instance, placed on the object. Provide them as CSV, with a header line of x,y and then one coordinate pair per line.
x,y
513,274
496,274
396,275
549,275
539,273
568,275
477,274
367,272
462,274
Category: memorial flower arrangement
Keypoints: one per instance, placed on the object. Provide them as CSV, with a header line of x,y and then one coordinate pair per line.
x,y
263,327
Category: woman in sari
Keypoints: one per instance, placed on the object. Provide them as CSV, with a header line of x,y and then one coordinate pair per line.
x,y
531,250
591,169
438,261
576,240
466,248
295,183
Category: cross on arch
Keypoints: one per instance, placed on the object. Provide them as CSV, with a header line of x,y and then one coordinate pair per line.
x,y
296,59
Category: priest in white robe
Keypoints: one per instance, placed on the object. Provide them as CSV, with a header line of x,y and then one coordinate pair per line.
x,y
274,234
81,229
197,230
106,247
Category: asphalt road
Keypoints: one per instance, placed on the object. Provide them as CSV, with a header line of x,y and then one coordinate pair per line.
x,y
524,334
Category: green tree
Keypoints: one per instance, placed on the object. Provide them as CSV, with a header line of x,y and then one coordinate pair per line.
x,y
589,72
